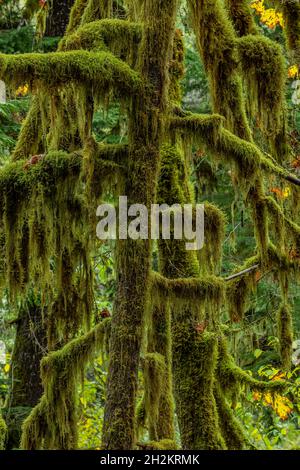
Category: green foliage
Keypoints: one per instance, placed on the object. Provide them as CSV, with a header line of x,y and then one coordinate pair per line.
x,y
11,116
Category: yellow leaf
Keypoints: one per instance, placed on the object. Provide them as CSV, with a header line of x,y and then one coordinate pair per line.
x,y
6,368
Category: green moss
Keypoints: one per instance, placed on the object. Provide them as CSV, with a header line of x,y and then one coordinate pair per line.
x,y
3,433
159,342
193,289
76,15
232,430
100,69
291,16
285,334
230,376
30,138
210,257
154,366
97,9
264,71
242,17
146,130
53,422
195,403
118,36
216,42
237,296
165,444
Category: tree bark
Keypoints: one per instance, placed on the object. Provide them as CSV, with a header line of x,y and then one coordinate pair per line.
x,y
58,17
26,387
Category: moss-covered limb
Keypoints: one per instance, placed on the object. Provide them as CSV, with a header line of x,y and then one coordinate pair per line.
x,y
26,387
208,287
264,71
116,153
34,428
197,125
159,342
76,15
291,16
247,157
242,17
195,402
113,34
30,138
3,433
285,334
232,430
101,69
230,376
286,228
23,177
52,424
134,257
216,42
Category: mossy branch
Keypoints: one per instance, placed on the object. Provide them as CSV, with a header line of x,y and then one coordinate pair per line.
x,y
101,70
230,375
113,34
247,157
190,288
22,177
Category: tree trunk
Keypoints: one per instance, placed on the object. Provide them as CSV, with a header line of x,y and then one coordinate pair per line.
x,y
145,133
26,387
58,17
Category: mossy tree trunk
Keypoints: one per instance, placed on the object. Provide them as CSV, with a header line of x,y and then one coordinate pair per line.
x,y
26,386
134,257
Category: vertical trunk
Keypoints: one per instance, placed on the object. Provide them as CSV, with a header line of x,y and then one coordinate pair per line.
x,y
159,341
145,127
26,387
58,17
194,353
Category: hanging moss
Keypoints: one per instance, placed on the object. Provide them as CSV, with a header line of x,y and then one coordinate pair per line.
x,y
247,158
3,433
146,130
30,138
53,422
232,430
242,17
216,42
238,293
193,289
264,70
210,257
159,342
76,15
154,366
291,16
285,334
97,9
